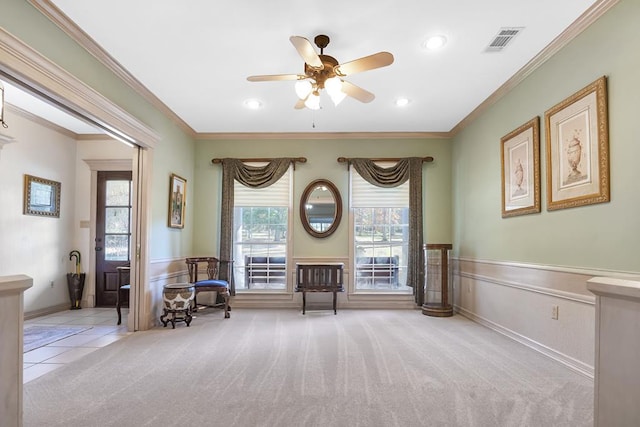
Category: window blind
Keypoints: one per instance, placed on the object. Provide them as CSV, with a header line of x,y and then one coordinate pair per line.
x,y
277,194
365,195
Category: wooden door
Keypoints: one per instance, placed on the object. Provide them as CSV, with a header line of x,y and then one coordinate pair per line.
x,y
113,233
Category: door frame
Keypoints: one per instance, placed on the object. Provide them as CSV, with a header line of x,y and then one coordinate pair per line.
x,y
101,165
32,71
139,309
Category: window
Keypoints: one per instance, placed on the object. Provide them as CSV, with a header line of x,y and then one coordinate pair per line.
x,y
117,221
260,240
380,236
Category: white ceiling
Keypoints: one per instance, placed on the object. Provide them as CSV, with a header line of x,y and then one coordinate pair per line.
x,y
195,56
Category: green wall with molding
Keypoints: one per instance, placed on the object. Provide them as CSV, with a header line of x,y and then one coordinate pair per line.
x,y
600,236
322,162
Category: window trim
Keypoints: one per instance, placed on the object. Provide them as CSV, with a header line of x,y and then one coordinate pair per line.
x,y
360,294
288,291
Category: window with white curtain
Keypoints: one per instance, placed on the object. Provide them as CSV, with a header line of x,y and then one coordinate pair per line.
x,y
380,235
261,230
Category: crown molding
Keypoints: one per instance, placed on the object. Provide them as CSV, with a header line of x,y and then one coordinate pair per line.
x,y
72,30
109,164
54,127
322,135
56,16
29,69
578,26
42,122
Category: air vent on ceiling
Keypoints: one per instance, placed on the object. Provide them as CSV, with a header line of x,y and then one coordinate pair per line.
x,y
503,38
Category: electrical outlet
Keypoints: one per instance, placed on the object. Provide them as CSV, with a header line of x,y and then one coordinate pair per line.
x,y
554,312
51,283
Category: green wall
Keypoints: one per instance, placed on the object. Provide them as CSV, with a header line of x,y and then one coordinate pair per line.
x,y
322,163
603,236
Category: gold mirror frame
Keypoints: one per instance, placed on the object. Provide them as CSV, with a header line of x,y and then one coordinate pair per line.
x,y
304,201
41,197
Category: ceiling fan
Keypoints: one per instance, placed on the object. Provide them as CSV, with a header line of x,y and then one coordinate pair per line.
x,y
325,72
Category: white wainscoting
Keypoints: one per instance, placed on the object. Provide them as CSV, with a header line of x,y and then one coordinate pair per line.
x,y
518,300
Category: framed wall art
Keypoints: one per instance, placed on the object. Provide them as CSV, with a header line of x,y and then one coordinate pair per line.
x,y
177,201
41,197
520,154
578,149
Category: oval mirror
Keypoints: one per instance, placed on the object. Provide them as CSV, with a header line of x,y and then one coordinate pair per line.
x,y
320,208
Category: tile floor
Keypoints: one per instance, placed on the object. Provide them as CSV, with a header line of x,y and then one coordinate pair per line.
x,y
103,332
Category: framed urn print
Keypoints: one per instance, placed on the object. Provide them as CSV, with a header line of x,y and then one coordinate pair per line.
x,y
520,152
177,201
578,149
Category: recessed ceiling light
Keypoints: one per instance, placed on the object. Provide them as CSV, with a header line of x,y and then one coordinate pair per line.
x,y
252,104
434,42
402,102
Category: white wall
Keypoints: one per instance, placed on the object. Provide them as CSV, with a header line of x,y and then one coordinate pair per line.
x,y
39,246
32,245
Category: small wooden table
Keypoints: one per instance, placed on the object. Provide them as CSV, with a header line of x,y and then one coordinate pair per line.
x,y
314,277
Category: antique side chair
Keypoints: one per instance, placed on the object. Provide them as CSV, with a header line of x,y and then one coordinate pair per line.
x,y
210,284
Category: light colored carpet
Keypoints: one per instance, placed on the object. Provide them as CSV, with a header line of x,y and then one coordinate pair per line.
x,y
38,336
280,368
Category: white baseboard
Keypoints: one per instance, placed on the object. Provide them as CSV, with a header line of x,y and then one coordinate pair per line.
x,y
568,361
46,311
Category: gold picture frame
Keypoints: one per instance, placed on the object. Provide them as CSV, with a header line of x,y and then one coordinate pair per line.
x,y
578,149
520,159
41,197
177,201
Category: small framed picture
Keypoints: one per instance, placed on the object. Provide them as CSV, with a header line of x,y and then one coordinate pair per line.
x,y
41,197
520,152
578,149
177,201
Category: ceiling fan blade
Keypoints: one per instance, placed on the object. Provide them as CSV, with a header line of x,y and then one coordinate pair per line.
x,y
275,77
377,60
357,92
307,52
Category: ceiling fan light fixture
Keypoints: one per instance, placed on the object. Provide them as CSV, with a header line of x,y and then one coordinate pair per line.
x,y
337,97
325,72
402,102
303,88
333,86
313,101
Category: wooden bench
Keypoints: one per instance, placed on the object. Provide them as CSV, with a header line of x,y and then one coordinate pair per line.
x,y
264,270
378,269
312,277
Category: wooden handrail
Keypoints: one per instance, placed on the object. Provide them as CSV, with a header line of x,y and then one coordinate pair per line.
x,y
427,159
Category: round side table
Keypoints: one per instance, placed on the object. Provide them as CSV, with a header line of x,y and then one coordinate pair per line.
x,y
177,299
